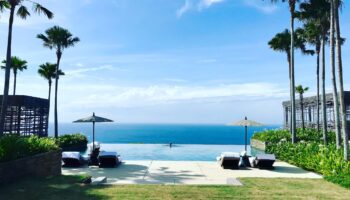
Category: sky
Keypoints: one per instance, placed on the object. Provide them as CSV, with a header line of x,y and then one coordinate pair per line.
x,y
166,61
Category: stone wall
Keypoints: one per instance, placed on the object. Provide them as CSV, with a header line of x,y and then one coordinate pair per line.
x,y
40,165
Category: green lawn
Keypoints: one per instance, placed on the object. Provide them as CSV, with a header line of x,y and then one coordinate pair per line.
x,y
68,187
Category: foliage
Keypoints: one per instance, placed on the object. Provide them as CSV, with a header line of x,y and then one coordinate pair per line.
x,y
309,153
72,140
278,135
15,147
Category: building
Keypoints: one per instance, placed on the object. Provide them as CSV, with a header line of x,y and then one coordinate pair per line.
x,y
26,116
310,111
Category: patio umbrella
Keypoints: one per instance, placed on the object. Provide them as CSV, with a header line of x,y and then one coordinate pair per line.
x,y
94,119
246,123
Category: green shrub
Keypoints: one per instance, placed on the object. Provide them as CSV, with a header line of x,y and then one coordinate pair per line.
x,y
340,180
14,147
309,153
72,140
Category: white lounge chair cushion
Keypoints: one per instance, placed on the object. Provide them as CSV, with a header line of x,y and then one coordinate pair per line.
x,y
230,155
109,154
71,154
266,157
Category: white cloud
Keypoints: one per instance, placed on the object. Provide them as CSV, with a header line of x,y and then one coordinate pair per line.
x,y
111,96
195,5
263,6
81,71
184,8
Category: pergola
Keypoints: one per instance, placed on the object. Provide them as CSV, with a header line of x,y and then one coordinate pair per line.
x,y
26,116
310,111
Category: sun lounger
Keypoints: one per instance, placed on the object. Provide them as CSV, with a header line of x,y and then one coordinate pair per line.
x,y
108,159
263,161
72,159
229,160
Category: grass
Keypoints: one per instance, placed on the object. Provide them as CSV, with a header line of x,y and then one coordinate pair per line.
x,y
68,187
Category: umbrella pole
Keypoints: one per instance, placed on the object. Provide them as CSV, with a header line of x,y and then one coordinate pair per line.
x,y
93,136
245,141
245,135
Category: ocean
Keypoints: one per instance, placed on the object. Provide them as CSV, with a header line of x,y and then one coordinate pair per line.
x,y
161,133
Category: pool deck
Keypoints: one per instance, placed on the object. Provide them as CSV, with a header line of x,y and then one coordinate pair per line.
x,y
186,172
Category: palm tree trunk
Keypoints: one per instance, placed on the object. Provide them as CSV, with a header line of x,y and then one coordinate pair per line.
x,y
14,83
323,77
290,103
333,78
59,54
302,111
292,78
7,72
49,99
341,86
318,89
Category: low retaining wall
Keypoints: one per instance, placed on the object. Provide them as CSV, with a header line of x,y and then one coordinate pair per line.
x,y
40,165
257,144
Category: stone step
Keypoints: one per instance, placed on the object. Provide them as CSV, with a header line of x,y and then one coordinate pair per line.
x,y
99,180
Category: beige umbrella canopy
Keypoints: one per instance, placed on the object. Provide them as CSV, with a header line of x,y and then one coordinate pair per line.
x,y
93,119
245,123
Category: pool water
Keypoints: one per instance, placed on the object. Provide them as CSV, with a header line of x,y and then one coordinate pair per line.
x,y
178,152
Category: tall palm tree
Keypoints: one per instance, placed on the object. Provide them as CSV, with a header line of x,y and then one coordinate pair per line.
x,y
291,4
312,35
282,43
59,39
335,7
22,12
17,64
317,12
301,90
48,72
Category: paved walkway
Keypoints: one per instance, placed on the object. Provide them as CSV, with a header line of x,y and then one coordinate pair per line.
x,y
185,172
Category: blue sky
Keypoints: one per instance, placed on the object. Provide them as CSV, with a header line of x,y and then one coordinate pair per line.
x,y
166,61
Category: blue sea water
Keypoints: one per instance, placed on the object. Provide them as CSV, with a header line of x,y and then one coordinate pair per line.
x,y
151,141
162,133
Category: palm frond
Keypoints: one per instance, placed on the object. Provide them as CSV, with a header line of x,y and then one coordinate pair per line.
x,y
4,4
40,9
23,12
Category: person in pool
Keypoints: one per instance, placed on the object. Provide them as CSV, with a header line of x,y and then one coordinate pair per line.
x,y
170,144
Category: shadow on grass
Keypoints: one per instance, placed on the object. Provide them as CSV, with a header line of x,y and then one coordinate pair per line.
x,y
60,188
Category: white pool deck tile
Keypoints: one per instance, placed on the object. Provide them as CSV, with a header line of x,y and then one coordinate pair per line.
x,y
186,172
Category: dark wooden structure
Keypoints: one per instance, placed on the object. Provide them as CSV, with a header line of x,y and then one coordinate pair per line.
x,y
26,116
310,111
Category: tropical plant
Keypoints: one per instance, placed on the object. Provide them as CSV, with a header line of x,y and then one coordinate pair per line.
x,y
301,90
22,12
17,64
48,72
291,4
312,35
317,13
59,39
336,7
282,43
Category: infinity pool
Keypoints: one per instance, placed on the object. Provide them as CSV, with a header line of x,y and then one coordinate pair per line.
x,y
176,153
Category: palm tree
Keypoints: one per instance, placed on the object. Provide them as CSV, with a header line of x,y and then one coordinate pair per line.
x,y
48,72
317,13
282,43
16,65
23,13
312,35
291,4
299,89
335,7
59,39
